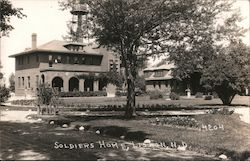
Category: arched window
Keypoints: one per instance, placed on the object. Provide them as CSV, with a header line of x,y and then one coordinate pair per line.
x,y
73,84
57,83
88,85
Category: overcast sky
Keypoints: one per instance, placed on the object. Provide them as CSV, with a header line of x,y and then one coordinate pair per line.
x,y
45,19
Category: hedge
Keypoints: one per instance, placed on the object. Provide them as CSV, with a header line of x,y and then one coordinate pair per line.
x,y
83,94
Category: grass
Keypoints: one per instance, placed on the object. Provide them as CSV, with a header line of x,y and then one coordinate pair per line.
x,y
39,138
233,140
139,100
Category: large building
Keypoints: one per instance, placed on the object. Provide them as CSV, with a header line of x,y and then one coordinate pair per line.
x,y
60,64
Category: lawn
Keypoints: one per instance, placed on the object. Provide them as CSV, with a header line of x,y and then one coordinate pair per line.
x,y
42,140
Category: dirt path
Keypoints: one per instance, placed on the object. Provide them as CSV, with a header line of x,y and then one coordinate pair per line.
x,y
16,116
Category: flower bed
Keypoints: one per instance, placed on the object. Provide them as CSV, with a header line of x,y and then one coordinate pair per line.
x,y
176,121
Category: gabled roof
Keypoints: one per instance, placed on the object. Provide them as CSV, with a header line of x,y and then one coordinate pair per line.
x,y
57,46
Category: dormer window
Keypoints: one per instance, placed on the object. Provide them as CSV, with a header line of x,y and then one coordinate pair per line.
x,y
74,47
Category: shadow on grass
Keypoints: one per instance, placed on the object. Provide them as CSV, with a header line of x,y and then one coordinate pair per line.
x,y
36,141
22,141
96,117
117,132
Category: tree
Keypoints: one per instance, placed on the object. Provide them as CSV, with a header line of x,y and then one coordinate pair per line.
x,y
137,29
229,73
4,93
1,75
200,37
47,99
7,11
12,82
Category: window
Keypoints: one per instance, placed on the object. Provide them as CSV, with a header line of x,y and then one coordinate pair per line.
x,y
71,60
18,60
68,60
50,57
50,61
37,80
89,60
21,60
28,59
19,81
166,83
111,64
159,83
59,59
147,74
23,81
28,81
83,60
75,60
158,74
37,58
43,78
97,60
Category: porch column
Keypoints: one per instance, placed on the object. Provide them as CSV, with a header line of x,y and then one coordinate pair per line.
x,y
81,85
96,85
66,85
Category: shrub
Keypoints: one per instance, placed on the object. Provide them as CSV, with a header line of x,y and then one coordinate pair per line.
x,y
23,102
83,94
155,95
208,97
215,95
45,94
198,95
4,93
174,96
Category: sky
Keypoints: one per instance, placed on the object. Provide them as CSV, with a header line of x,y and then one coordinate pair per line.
x,y
49,23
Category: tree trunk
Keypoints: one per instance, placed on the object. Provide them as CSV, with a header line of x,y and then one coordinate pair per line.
x,y
130,106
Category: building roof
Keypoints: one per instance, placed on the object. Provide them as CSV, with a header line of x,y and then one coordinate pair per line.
x,y
161,67
152,78
57,46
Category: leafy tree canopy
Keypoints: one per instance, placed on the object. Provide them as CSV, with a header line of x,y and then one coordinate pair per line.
x,y
183,29
229,72
200,37
7,11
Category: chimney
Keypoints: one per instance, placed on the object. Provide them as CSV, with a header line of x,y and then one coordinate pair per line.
x,y
33,41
